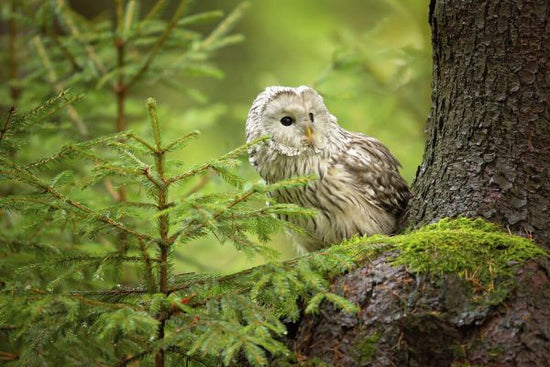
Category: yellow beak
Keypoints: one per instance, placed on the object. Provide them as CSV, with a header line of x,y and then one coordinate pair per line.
x,y
309,133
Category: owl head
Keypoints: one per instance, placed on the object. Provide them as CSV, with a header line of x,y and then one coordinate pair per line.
x,y
296,119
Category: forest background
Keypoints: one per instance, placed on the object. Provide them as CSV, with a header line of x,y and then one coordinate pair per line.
x,y
371,60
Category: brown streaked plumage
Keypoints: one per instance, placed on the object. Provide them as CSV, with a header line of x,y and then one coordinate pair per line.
x,y
359,190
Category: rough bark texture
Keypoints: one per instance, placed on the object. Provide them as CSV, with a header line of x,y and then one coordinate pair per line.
x,y
416,321
487,155
488,148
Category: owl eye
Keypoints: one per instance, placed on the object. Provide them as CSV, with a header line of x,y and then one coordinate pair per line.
x,y
287,121
311,117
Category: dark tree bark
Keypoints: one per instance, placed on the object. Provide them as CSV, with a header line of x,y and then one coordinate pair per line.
x,y
488,147
487,155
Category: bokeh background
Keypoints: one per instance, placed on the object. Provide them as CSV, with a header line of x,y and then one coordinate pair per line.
x,y
370,59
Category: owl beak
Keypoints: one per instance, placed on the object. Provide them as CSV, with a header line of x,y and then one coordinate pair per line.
x,y
309,133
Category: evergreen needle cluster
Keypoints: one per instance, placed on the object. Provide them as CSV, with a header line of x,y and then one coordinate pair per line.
x,y
67,256
62,301
89,231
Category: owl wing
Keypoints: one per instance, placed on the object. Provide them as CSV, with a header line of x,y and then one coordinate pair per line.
x,y
374,172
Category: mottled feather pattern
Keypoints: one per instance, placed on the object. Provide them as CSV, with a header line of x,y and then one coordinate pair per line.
x,y
358,190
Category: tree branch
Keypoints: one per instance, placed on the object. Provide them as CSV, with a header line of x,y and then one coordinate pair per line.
x,y
159,44
58,87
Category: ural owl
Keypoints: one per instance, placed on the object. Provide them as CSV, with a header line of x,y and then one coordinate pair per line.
x,y
358,190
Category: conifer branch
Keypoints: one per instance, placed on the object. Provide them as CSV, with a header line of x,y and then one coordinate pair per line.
x,y
193,172
28,178
149,277
187,231
65,50
226,26
155,9
126,360
159,44
90,51
200,185
81,148
235,153
112,292
94,302
163,222
119,14
139,204
147,172
152,108
120,89
96,259
52,77
128,17
7,122
142,142
181,140
6,356
19,246
15,90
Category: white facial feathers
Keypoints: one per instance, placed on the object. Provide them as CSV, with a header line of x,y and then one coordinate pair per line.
x,y
295,118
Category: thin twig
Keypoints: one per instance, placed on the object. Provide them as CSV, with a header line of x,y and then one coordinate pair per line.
x,y
120,88
148,268
99,217
111,190
52,77
6,356
90,51
7,122
147,172
190,173
15,91
200,185
131,358
159,44
93,302
112,292
72,59
236,201
142,141
155,9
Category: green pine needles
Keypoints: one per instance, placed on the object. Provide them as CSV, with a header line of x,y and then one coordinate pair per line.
x,y
64,302
92,214
89,282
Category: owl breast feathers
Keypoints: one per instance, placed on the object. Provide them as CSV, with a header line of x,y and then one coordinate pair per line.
x,y
359,189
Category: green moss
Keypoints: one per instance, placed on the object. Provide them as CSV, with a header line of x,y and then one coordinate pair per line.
x,y
365,349
477,251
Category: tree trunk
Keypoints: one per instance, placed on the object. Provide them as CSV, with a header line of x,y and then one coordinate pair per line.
x,y
487,155
488,146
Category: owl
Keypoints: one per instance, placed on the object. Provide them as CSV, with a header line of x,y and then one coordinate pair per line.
x,y
358,189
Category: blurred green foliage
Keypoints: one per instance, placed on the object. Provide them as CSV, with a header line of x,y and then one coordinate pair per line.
x,y
370,60
77,185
